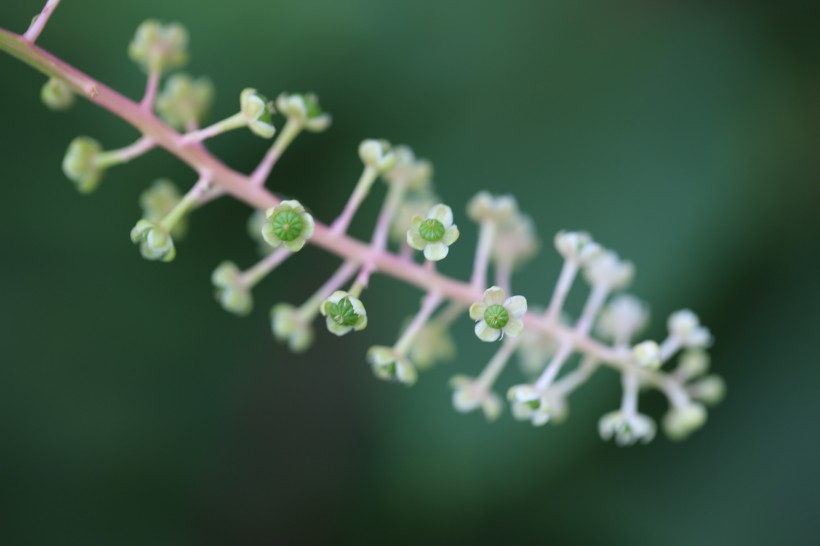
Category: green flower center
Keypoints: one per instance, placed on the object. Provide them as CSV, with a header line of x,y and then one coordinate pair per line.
x,y
431,230
312,107
343,313
496,316
534,404
287,225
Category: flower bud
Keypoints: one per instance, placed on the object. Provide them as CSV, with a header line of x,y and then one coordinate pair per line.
x,y
515,241
577,246
185,101
485,207
469,395
415,174
388,365
157,47
231,291
710,390
622,318
693,363
57,95
685,326
609,270
647,355
681,421
257,111
154,240
290,326
158,201
80,164
377,155
305,110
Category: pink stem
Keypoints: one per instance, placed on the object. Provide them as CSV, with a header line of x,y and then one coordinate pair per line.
x,y
40,21
150,96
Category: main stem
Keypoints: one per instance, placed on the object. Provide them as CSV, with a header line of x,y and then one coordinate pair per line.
x,y
242,188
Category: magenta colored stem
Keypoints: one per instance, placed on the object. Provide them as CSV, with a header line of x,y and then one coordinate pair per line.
x,y
40,21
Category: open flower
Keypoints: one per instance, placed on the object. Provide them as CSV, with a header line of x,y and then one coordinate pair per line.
x,y
685,326
158,47
305,110
154,240
344,313
288,224
231,291
289,325
626,429
622,318
377,155
434,233
608,270
80,164
681,421
530,404
184,101
257,112
390,365
486,207
496,315
415,174
470,394
647,354
577,246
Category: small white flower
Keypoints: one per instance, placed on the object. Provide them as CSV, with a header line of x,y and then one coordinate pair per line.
x,y
154,240
231,291
710,390
685,326
434,234
57,95
469,395
577,246
647,355
497,315
158,47
288,224
693,363
344,313
626,429
485,207
622,318
184,101
305,110
515,241
290,326
377,155
530,404
432,344
80,164
257,112
681,421
415,174
609,270
389,365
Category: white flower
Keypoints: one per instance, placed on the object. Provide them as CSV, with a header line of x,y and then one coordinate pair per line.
x,y
415,174
577,246
681,421
158,47
622,318
389,365
377,155
626,429
515,241
154,240
344,313
530,404
485,207
496,315
685,326
647,355
288,224
184,101
469,395
609,270
289,325
710,390
57,95
434,234
305,110
231,291
693,363
432,344
80,164
257,112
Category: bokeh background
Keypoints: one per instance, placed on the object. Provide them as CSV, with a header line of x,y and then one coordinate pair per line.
x,y
682,134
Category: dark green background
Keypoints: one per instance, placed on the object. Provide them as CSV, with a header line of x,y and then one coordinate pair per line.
x,y
682,134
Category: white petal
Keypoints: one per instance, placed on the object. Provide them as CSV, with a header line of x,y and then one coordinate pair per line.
x,y
310,225
436,251
463,402
494,296
450,235
485,333
443,214
477,311
336,328
516,305
514,327
415,240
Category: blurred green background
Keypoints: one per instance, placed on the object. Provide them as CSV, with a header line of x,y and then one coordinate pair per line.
x,y
682,134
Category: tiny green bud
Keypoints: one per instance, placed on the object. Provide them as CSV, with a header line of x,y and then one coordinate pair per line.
x,y
157,47
80,164
57,95
232,293
304,109
184,101
288,224
257,111
154,240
